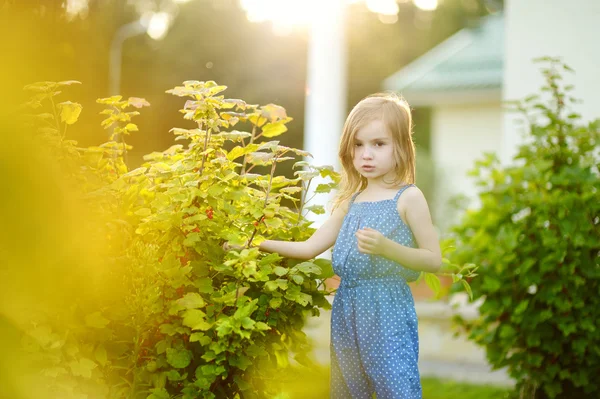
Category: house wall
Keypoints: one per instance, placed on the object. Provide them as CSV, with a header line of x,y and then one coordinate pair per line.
x,y
557,28
460,135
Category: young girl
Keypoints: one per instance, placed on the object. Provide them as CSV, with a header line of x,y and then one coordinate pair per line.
x,y
384,238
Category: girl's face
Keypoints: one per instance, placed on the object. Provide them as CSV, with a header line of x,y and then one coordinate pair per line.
x,y
374,152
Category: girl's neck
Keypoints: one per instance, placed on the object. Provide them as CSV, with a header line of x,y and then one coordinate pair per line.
x,y
375,192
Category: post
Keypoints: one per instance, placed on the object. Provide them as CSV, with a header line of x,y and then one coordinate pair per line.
x,y
116,46
325,104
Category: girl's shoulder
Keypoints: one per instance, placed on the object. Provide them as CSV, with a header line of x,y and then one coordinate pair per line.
x,y
341,208
410,197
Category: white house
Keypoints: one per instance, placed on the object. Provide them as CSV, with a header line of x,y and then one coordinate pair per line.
x,y
465,79
461,81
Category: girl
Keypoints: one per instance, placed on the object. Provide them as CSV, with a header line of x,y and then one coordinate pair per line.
x,y
384,238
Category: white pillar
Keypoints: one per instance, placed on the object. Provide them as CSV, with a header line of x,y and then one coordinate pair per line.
x,y
325,105
556,28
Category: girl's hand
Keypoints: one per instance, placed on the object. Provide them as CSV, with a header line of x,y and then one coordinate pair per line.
x,y
230,247
370,241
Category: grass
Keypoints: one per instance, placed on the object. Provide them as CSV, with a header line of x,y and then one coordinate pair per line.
x,y
314,383
434,388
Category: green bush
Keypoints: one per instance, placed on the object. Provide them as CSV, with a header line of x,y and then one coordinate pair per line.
x,y
172,314
536,240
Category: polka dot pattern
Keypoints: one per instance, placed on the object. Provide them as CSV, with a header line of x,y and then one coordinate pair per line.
x,y
374,339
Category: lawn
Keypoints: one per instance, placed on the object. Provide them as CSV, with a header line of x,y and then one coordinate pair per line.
x,y
308,384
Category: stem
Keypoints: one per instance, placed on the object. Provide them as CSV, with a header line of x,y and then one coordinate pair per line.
x,y
273,166
124,150
55,113
246,156
204,156
302,201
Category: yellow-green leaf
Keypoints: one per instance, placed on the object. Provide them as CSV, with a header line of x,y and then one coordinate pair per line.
x,y
101,355
433,282
69,112
274,129
96,320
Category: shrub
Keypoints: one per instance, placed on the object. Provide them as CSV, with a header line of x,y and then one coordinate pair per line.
x,y
536,240
176,315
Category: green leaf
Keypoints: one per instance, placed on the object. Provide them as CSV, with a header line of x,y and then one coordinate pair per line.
x,y
143,212
240,361
298,279
96,320
325,188
173,375
308,268
168,329
204,285
262,326
191,300
159,393
275,302
280,271
179,358
467,288
326,268
316,209
101,355
273,223
271,285
433,282
82,367
69,112
248,323
273,129
242,384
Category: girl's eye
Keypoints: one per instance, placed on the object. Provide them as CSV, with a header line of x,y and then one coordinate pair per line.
x,y
379,144
357,144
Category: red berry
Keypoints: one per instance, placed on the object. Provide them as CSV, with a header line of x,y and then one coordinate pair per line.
x,y
180,291
256,224
196,230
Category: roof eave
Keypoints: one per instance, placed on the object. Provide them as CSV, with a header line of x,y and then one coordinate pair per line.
x,y
452,97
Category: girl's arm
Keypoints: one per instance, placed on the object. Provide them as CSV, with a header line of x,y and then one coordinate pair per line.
x,y
428,256
319,242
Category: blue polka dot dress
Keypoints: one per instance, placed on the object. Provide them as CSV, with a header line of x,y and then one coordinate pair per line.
x,y
374,338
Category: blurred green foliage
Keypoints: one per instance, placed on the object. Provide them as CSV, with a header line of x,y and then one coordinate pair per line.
x,y
536,240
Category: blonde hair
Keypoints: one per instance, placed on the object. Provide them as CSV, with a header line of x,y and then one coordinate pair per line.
x,y
395,114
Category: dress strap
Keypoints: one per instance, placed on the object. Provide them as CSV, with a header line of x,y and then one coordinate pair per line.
x,y
399,193
353,198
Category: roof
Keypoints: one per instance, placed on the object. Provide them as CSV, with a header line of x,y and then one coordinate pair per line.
x,y
469,62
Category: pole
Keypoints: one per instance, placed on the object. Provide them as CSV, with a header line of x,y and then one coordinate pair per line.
x,y
325,103
116,46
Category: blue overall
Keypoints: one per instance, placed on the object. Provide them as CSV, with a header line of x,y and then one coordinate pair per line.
x,y
374,337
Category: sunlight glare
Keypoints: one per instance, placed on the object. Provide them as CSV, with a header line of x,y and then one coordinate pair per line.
x,y
280,12
383,7
159,25
427,5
